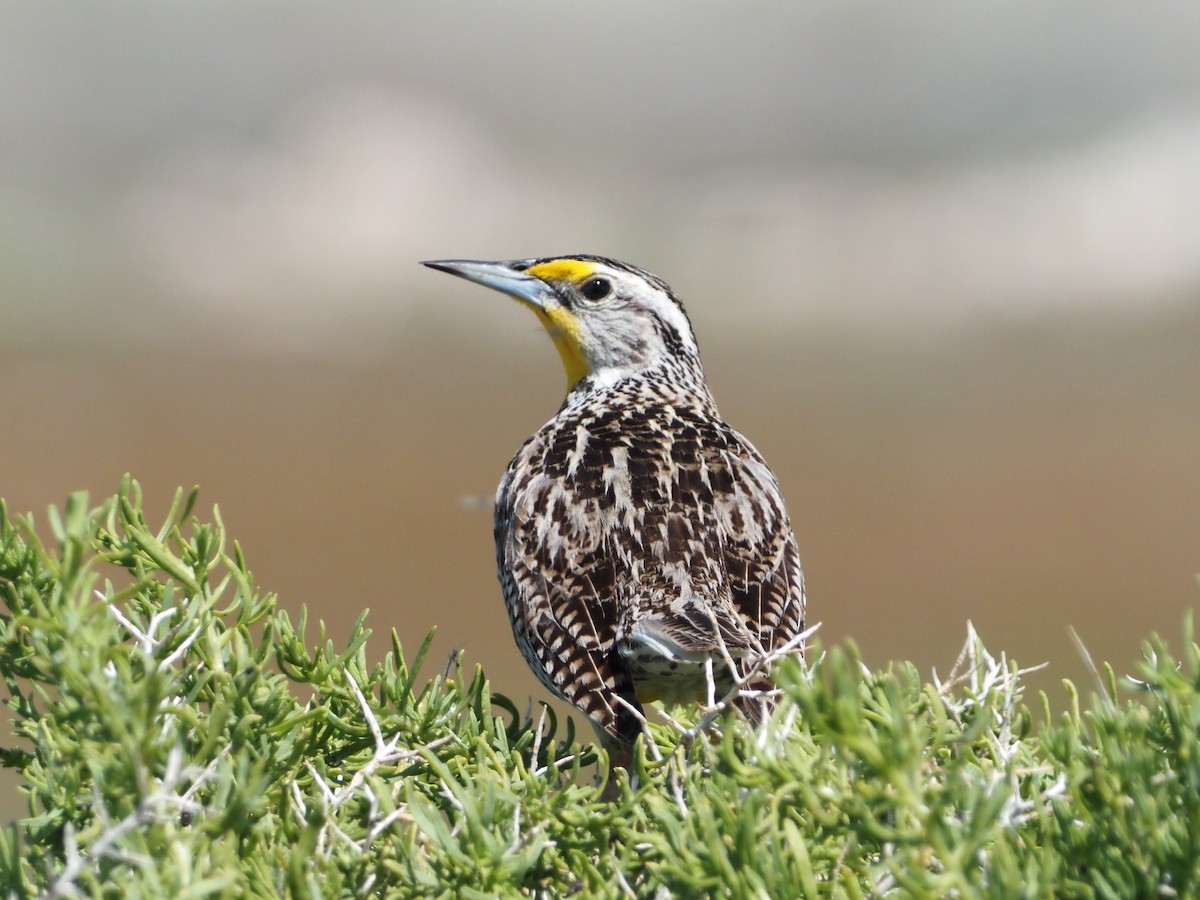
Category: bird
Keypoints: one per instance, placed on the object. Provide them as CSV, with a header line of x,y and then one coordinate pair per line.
x,y
642,544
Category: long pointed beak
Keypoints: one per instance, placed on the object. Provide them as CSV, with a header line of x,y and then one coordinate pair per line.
x,y
499,276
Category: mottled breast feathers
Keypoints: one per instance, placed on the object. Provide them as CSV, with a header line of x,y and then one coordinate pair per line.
x,y
636,535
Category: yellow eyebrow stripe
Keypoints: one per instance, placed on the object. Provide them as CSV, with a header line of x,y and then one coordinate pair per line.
x,y
561,270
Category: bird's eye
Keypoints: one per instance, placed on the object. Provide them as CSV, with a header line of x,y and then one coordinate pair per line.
x,y
595,288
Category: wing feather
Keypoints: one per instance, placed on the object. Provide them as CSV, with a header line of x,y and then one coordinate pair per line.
x,y
761,557
637,531
557,583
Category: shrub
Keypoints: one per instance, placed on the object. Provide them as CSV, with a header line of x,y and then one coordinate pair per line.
x,y
178,735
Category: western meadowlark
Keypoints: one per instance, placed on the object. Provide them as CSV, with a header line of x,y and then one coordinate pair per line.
x,y
642,543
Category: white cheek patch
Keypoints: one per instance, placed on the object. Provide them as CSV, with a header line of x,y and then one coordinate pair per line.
x,y
641,325
617,336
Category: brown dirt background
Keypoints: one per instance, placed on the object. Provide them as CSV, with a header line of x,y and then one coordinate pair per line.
x,y
1028,477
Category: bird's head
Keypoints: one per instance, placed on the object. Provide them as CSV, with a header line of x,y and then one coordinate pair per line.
x,y
608,319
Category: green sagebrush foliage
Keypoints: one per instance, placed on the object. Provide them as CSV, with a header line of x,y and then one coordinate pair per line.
x,y
177,735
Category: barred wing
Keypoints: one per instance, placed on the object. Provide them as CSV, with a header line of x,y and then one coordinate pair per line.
x,y
762,561
558,582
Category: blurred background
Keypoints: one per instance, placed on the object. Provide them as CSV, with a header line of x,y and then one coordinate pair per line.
x,y
944,266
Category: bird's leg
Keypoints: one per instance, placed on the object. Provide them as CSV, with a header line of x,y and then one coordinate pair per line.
x,y
754,699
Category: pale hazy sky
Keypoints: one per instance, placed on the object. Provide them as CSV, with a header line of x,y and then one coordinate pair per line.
x,y
864,164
